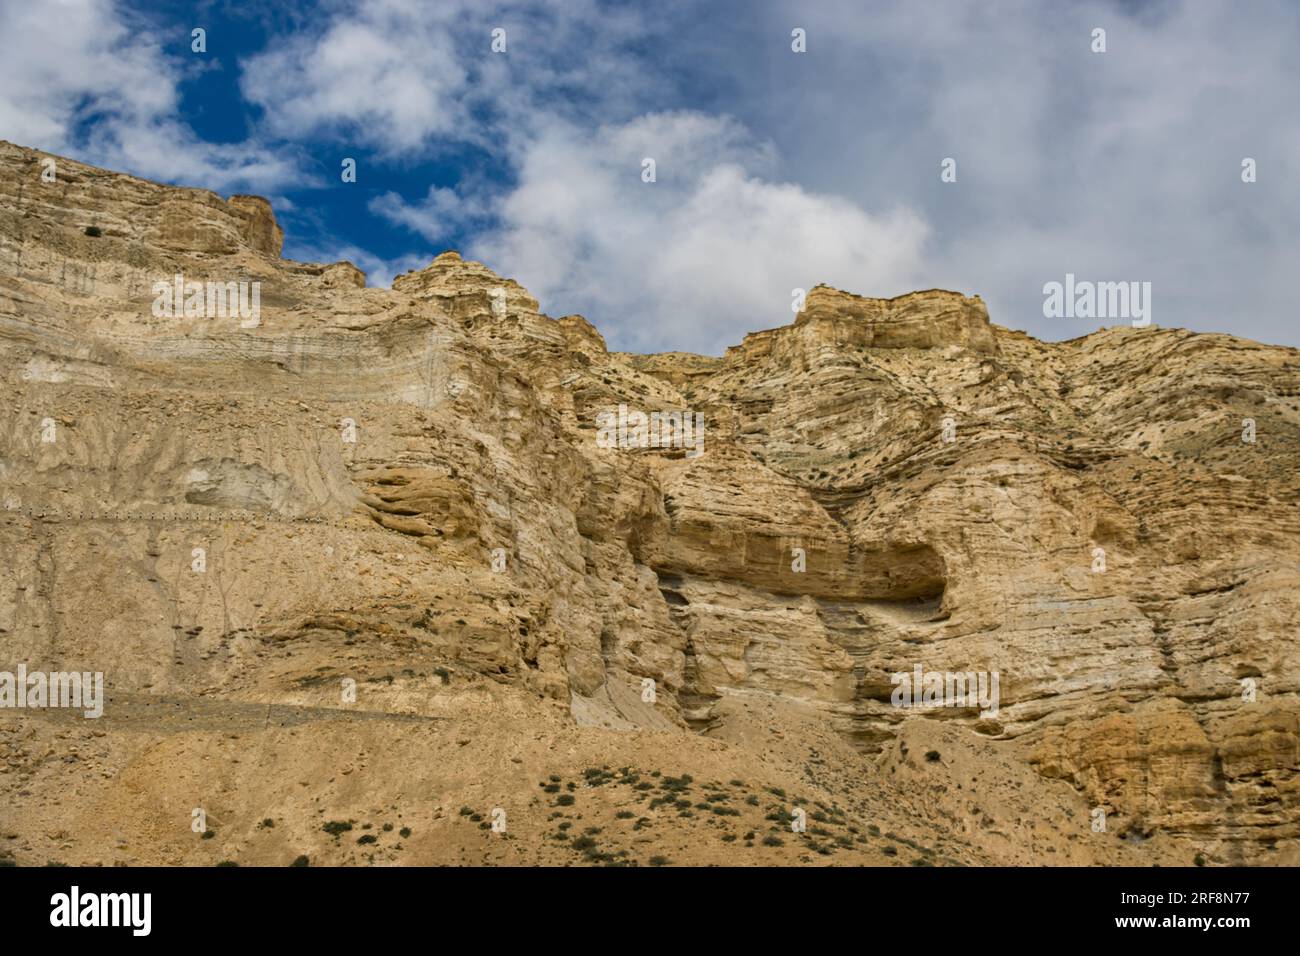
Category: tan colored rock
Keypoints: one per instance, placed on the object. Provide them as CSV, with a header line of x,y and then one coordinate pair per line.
x,y
261,231
924,320
404,488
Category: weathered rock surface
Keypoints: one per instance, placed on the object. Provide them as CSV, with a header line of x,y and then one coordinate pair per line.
x,y
405,489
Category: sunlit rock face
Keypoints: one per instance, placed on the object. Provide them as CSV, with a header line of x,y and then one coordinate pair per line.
x,y
419,489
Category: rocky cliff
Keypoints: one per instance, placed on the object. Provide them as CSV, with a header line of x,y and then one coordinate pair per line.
x,y
395,559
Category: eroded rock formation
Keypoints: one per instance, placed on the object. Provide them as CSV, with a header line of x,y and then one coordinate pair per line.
x,y
405,488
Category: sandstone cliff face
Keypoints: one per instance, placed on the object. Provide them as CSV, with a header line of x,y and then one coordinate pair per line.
x,y
408,489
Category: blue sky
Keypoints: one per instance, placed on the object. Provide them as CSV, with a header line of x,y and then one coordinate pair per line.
x,y
775,170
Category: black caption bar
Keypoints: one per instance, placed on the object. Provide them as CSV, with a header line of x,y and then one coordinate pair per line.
x,y
330,905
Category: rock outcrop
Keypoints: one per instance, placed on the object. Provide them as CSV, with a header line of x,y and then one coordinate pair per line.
x,y
412,492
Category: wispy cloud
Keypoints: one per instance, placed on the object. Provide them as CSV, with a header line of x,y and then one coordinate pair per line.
x,y
441,213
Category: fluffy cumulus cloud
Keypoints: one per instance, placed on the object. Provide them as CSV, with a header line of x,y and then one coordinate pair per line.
x,y
709,250
68,59
407,77
84,77
390,75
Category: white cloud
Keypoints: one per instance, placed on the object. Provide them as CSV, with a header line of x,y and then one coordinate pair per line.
x,y
405,77
69,64
70,58
165,149
440,213
1123,165
708,252
391,76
